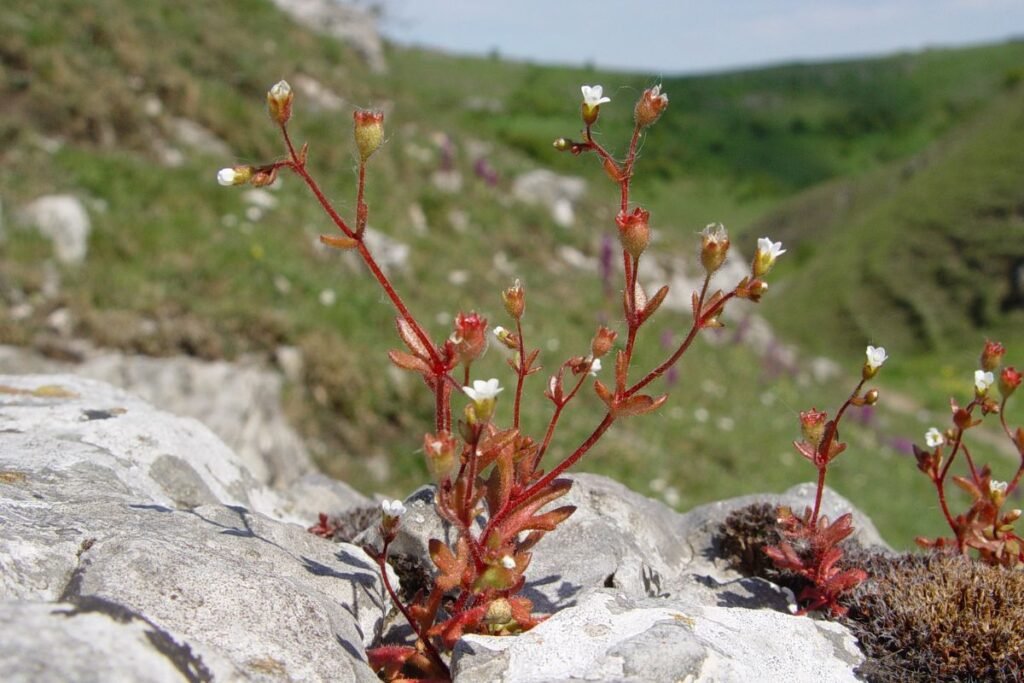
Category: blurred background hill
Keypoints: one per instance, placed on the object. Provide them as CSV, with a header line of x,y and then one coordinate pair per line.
x,y
896,183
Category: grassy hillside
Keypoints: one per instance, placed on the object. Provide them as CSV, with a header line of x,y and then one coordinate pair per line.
x,y
94,93
925,254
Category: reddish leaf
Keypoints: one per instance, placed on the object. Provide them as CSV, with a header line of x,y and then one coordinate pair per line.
x,y
785,557
411,339
654,303
603,393
339,241
499,485
389,658
549,520
407,361
638,405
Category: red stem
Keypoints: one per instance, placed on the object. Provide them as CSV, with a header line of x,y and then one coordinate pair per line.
x,y
428,646
299,167
521,372
559,407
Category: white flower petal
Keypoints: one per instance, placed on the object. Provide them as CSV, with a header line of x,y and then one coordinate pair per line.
x,y
876,356
226,177
983,380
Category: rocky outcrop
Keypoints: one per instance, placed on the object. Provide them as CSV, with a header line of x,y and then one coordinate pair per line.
x,y
139,540
638,594
137,546
352,25
557,193
240,402
63,220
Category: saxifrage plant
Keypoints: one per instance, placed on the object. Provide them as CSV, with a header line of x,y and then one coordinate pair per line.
x,y
493,485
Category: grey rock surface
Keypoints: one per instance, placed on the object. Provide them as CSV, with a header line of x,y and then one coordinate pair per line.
x,y
147,523
350,24
637,593
557,193
62,219
138,539
238,401
609,637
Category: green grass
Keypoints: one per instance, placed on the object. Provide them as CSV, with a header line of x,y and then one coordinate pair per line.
x,y
764,151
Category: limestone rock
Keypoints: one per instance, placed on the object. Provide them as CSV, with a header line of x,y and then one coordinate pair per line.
x,y
630,581
555,192
62,219
240,401
350,24
608,637
139,518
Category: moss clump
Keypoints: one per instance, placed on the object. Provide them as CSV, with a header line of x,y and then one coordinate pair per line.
x,y
939,617
934,617
743,536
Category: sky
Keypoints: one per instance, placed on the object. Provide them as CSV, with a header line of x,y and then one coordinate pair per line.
x,y
687,36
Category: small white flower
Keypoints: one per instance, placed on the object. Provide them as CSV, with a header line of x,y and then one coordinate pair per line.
x,y
595,367
592,95
392,508
876,357
281,90
772,249
507,562
997,486
226,176
499,331
934,438
983,380
483,390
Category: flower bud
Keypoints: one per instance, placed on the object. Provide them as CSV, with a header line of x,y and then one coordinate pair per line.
x,y
634,231
515,300
997,492
991,355
499,612
602,342
562,144
506,338
279,102
439,451
1009,380
812,425
714,245
650,106
469,337
236,175
871,397
368,131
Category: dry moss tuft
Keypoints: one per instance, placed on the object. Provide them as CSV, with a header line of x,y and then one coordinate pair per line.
x,y
935,617
939,618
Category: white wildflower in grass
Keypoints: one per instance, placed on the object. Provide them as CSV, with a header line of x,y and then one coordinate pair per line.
x,y
876,357
499,331
507,562
997,486
934,438
392,508
592,95
595,367
483,390
983,380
